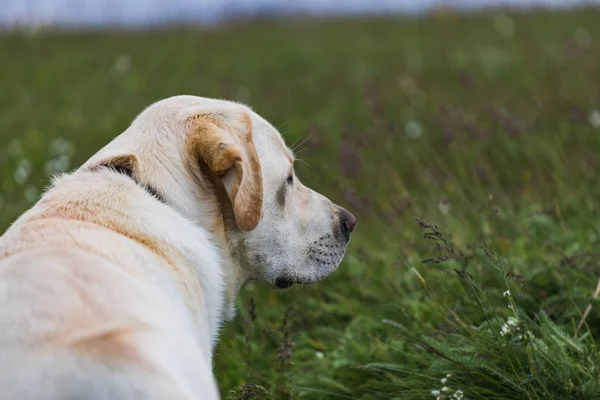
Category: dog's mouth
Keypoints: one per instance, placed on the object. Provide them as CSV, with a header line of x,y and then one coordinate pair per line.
x,y
284,283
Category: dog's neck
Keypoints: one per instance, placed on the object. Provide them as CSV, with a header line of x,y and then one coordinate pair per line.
x,y
235,278
233,274
233,284
221,230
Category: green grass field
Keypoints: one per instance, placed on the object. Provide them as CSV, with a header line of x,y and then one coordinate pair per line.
x,y
487,126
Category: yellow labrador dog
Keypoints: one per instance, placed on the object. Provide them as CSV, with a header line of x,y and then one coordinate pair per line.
x,y
114,285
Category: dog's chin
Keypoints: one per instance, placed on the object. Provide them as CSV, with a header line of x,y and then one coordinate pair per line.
x,y
284,283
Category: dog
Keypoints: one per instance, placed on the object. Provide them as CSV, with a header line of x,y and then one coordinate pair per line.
x,y
114,285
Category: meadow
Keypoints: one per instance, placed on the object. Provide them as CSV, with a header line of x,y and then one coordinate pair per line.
x,y
466,145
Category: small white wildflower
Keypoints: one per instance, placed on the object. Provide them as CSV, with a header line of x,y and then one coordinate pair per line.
x,y
448,375
22,172
49,168
61,146
57,165
527,336
458,394
512,321
444,380
505,330
435,392
506,294
444,207
413,129
319,354
122,64
594,119
30,193
504,25
445,389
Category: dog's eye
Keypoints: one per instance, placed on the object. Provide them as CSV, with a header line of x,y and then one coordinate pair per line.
x,y
290,179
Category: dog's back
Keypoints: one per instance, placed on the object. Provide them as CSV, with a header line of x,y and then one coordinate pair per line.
x,y
82,318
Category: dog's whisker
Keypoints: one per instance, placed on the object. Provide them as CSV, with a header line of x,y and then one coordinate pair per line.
x,y
296,145
303,162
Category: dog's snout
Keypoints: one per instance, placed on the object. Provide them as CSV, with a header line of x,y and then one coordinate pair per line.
x,y
347,220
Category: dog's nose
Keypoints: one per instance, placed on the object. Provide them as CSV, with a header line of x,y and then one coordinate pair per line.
x,y
347,220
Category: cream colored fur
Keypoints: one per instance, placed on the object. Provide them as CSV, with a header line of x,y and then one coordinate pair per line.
x,y
106,292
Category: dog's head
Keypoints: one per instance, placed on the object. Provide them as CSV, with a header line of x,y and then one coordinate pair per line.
x,y
228,170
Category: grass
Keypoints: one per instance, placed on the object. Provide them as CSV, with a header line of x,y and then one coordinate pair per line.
x,y
484,127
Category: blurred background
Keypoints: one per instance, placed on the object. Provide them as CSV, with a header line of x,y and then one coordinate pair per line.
x,y
463,134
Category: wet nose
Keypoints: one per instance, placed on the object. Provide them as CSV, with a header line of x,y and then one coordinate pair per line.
x,y
347,220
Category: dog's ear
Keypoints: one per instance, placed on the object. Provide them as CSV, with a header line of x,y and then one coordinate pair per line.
x,y
224,143
125,163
